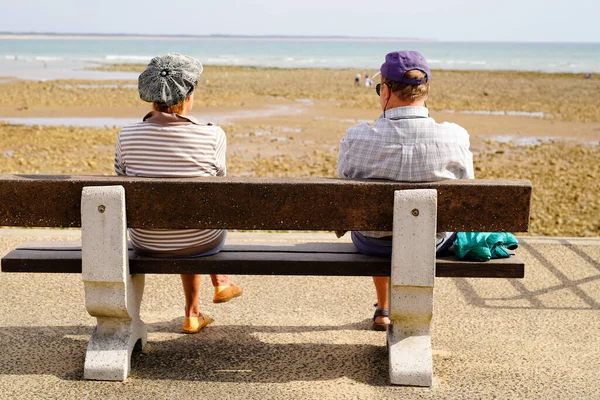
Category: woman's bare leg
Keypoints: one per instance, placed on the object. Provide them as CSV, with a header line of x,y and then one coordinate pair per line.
x,y
191,289
220,280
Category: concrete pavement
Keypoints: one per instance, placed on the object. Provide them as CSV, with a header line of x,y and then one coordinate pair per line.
x,y
309,337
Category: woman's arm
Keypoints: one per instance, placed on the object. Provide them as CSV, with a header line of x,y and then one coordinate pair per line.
x,y
221,150
120,168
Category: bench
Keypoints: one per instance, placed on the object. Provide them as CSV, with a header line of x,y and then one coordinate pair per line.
x,y
113,275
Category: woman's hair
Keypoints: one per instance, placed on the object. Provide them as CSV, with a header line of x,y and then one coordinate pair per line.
x,y
174,109
409,92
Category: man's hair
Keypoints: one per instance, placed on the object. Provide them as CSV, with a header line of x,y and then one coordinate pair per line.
x,y
409,92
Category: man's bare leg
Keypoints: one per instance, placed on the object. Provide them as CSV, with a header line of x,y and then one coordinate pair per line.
x,y
382,288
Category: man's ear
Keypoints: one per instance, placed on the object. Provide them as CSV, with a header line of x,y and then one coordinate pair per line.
x,y
384,88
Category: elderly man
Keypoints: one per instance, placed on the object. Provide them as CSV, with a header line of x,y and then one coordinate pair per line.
x,y
404,144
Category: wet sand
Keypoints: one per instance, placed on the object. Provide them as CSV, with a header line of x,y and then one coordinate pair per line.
x,y
289,123
566,97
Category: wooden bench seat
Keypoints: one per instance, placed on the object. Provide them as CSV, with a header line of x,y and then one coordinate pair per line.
x,y
332,259
113,276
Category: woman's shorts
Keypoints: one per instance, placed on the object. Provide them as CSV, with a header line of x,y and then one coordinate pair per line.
x,y
203,250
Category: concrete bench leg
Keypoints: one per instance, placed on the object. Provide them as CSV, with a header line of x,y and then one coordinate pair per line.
x,y
112,295
411,291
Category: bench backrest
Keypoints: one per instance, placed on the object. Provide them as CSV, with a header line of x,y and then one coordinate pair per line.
x,y
265,204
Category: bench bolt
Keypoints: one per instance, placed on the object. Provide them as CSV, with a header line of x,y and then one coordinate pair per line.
x,y
415,212
101,208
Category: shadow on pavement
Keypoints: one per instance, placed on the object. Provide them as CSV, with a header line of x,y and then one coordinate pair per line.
x,y
216,354
532,297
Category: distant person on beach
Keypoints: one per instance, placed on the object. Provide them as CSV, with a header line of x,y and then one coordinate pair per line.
x,y
357,79
404,144
170,144
588,76
368,81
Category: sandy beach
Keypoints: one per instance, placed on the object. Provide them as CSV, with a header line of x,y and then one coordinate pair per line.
x,y
288,122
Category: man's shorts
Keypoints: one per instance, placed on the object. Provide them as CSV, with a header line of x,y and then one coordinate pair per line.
x,y
382,247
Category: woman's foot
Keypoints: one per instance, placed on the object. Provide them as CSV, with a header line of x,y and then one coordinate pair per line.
x,y
195,324
227,292
381,319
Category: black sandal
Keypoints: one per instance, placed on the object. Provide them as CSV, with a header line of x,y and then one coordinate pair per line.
x,y
380,312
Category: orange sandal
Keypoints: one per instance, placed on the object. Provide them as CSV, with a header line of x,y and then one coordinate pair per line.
x,y
195,324
226,293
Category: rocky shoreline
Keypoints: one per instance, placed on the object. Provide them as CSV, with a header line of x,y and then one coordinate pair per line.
x,y
558,149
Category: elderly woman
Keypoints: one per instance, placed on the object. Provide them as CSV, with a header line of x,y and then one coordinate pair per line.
x,y
168,143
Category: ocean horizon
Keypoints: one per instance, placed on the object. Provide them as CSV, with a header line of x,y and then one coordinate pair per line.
x,y
41,56
63,35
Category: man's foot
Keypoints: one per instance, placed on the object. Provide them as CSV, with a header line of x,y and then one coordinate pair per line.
x,y
381,319
226,293
195,324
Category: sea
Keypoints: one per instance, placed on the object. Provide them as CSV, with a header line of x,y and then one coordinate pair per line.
x,y
52,57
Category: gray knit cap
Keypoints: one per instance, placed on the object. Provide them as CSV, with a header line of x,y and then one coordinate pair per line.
x,y
169,79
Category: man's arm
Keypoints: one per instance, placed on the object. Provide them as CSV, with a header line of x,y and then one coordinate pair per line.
x,y
342,168
342,153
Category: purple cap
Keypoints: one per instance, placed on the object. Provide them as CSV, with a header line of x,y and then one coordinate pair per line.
x,y
398,63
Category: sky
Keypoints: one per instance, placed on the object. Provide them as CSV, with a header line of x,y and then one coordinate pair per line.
x,y
446,20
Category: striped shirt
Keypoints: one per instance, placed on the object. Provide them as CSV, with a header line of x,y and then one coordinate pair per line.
x,y
170,146
405,145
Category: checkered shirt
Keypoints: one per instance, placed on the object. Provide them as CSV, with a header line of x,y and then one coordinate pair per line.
x,y
407,145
